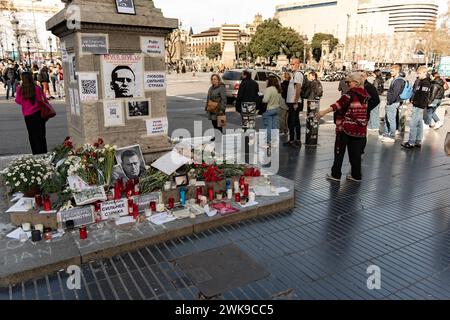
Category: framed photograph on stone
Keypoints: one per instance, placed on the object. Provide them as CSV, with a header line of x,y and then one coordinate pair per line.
x,y
125,6
138,109
113,113
123,76
132,162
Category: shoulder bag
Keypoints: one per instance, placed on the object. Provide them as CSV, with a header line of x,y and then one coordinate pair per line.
x,y
47,110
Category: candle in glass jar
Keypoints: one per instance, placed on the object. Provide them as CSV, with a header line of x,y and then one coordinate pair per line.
x,y
198,194
26,226
252,197
230,194
211,194
136,187
135,211
130,206
39,227
242,182
47,234
153,206
171,203
36,235
97,206
148,213
246,186
47,204
83,233
236,186
237,197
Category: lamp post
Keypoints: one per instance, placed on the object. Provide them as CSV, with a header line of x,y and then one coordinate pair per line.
x,y
29,55
15,24
238,53
13,52
305,43
51,48
3,55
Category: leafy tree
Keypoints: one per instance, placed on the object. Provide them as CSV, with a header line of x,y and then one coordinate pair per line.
x,y
214,51
270,36
316,44
171,44
243,51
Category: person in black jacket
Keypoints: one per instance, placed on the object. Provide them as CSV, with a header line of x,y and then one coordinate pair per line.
x,y
248,90
420,101
393,103
438,87
373,107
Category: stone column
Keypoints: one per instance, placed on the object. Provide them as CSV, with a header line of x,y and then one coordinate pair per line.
x,y
115,37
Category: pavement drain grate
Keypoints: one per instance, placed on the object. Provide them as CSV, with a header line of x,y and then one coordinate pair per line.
x,y
220,270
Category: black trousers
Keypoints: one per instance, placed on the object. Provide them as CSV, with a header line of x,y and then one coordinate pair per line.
x,y
295,129
354,146
36,133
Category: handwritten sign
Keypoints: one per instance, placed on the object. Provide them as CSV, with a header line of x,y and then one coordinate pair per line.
x,y
94,44
81,216
154,47
144,200
114,208
157,126
155,81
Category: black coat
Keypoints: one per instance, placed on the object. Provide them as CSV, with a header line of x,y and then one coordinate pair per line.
x,y
248,92
422,92
374,100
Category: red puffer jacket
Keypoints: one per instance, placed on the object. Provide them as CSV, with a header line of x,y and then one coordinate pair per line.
x,y
351,113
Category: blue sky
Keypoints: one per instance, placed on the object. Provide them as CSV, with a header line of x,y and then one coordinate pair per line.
x,y
202,14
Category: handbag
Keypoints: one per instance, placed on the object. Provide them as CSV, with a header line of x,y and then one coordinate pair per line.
x,y
212,106
222,121
47,110
447,144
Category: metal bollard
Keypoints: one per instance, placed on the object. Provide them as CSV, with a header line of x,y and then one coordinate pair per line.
x,y
312,124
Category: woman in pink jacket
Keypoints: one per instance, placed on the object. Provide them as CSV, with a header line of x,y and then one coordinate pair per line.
x,y
28,94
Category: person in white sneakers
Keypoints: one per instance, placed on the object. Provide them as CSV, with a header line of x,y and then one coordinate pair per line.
x,y
438,87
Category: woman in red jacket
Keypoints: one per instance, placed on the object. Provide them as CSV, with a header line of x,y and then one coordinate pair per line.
x,y
28,94
351,127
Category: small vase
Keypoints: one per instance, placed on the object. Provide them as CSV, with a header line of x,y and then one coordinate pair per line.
x,y
31,192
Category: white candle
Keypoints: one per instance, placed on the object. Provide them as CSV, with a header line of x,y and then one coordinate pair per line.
x,y
230,194
26,226
39,227
236,187
251,196
160,207
148,212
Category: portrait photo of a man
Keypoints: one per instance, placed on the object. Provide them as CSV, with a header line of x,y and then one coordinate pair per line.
x,y
131,162
125,6
123,82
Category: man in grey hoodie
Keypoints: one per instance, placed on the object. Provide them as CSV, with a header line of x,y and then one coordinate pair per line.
x,y
393,103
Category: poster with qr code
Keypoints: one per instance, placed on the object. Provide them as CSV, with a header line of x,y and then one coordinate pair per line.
x,y
88,86
113,113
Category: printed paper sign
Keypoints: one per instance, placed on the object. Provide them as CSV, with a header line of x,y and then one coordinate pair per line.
x,y
90,195
122,76
94,44
72,101
114,208
154,47
76,97
88,86
113,113
157,126
81,216
155,81
64,54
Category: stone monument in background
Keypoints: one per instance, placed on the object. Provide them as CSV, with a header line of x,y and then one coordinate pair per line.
x,y
113,56
229,55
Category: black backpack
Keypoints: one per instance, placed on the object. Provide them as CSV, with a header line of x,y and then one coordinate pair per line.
x,y
306,87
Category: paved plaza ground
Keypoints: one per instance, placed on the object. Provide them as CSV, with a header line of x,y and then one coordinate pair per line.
x,y
397,219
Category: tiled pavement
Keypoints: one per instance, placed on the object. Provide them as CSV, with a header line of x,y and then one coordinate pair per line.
x,y
398,218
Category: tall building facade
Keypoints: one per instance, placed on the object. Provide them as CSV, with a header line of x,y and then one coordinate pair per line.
x,y
377,30
24,20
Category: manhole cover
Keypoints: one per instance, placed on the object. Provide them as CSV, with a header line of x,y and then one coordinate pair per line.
x,y
221,269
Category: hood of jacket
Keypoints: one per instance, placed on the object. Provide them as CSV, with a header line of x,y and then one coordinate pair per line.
x,y
438,82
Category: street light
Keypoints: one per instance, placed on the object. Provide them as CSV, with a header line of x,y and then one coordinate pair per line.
x,y
51,47
13,52
15,24
3,54
305,42
29,55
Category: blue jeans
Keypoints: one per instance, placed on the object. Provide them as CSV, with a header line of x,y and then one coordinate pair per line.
x,y
374,121
10,85
270,122
390,124
431,111
416,126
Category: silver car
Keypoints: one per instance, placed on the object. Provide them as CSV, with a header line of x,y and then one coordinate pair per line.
x,y
233,78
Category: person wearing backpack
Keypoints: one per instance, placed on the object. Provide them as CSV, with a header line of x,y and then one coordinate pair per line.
x,y
315,91
10,75
420,101
351,127
295,104
438,87
394,101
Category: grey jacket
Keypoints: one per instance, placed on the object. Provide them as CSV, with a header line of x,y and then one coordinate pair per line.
x,y
217,94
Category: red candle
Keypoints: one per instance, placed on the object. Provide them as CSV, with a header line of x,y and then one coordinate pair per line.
x,y
242,182
237,197
171,203
246,190
153,206
211,194
47,204
130,206
117,191
198,194
135,211
97,206
257,173
38,200
83,233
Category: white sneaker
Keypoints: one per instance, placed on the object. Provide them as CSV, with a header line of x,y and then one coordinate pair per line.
x,y
388,140
438,125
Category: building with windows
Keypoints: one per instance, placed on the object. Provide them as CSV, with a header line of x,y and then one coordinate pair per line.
x,y
377,30
24,20
201,41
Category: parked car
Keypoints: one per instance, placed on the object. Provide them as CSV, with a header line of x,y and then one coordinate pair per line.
x,y
232,80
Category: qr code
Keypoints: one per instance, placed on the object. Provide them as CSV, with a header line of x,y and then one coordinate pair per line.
x,y
88,87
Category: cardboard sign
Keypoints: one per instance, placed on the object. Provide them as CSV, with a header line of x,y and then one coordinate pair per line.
x,y
157,126
154,47
155,81
144,200
93,44
119,207
81,216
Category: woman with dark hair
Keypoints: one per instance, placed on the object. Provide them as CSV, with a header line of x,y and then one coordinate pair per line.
x,y
44,79
216,101
28,96
315,89
272,97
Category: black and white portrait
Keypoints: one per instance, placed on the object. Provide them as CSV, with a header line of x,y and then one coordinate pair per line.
x,y
123,82
138,109
131,161
125,6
